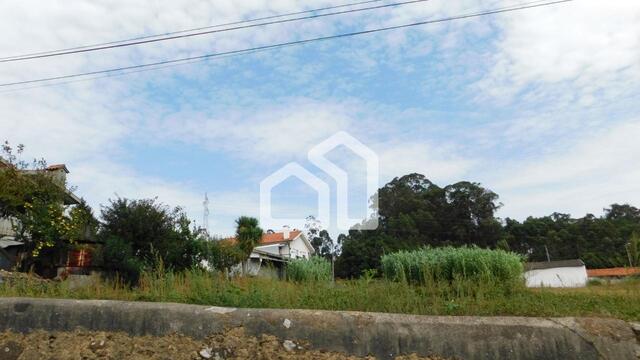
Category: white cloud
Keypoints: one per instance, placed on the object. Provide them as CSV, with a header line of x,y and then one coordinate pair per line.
x,y
440,164
265,133
567,52
580,175
100,180
61,127
88,124
584,53
600,154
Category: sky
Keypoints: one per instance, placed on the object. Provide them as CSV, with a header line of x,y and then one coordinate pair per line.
x,y
542,106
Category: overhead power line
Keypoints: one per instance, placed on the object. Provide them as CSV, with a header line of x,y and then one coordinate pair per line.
x,y
194,29
123,73
182,35
290,43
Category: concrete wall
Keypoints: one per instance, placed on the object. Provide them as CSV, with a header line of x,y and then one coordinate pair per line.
x,y
382,335
557,277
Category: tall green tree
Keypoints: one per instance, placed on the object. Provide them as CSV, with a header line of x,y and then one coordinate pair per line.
x,y
414,212
248,236
319,238
141,234
470,216
600,242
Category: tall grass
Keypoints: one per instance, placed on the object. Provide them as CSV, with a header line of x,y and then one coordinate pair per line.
x,y
458,297
314,269
454,265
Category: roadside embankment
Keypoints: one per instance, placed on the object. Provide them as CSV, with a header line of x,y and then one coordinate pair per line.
x,y
353,333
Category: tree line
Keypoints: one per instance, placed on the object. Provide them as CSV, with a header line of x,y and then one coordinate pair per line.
x,y
414,212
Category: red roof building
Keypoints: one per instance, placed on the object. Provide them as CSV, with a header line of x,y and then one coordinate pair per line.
x,y
286,244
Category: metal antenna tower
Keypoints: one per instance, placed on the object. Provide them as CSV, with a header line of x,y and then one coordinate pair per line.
x,y
205,216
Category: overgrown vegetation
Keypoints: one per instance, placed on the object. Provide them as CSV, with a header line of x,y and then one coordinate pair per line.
x,y
437,242
414,212
600,242
142,234
460,297
221,255
35,200
312,270
449,264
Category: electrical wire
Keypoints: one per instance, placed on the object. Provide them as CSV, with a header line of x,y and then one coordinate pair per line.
x,y
208,32
290,43
195,29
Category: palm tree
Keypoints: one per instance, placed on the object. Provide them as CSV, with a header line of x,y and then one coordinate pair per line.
x,y
248,235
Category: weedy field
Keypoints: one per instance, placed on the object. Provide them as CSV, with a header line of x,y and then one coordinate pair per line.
x,y
457,296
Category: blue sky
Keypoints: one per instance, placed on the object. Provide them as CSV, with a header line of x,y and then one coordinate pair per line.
x,y
540,106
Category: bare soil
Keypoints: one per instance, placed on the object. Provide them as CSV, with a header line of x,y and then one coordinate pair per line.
x,y
85,345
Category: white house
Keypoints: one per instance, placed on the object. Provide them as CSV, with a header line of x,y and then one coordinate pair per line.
x,y
274,250
564,273
288,244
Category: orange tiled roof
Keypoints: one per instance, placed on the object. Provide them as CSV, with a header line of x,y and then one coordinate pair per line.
x,y
277,237
619,271
274,238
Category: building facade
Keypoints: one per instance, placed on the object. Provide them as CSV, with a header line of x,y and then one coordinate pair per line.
x,y
565,273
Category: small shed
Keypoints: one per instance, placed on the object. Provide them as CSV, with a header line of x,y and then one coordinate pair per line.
x,y
9,251
563,273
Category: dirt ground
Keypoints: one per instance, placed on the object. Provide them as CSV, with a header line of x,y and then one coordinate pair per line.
x,y
84,345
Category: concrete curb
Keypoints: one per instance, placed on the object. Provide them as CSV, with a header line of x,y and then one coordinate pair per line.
x,y
382,335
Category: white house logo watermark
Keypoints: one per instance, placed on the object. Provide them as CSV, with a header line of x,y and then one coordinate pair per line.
x,y
317,156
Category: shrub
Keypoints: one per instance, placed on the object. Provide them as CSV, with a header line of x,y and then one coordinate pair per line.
x,y
221,255
451,264
118,255
142,233
314,269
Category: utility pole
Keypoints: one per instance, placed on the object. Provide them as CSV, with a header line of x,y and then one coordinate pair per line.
x,y
334,256
547,251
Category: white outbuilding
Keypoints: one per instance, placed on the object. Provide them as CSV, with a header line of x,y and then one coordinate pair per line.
x,y
564,273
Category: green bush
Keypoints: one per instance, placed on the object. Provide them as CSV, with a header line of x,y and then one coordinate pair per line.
x,y
314,269
450,264
118,255
146,234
